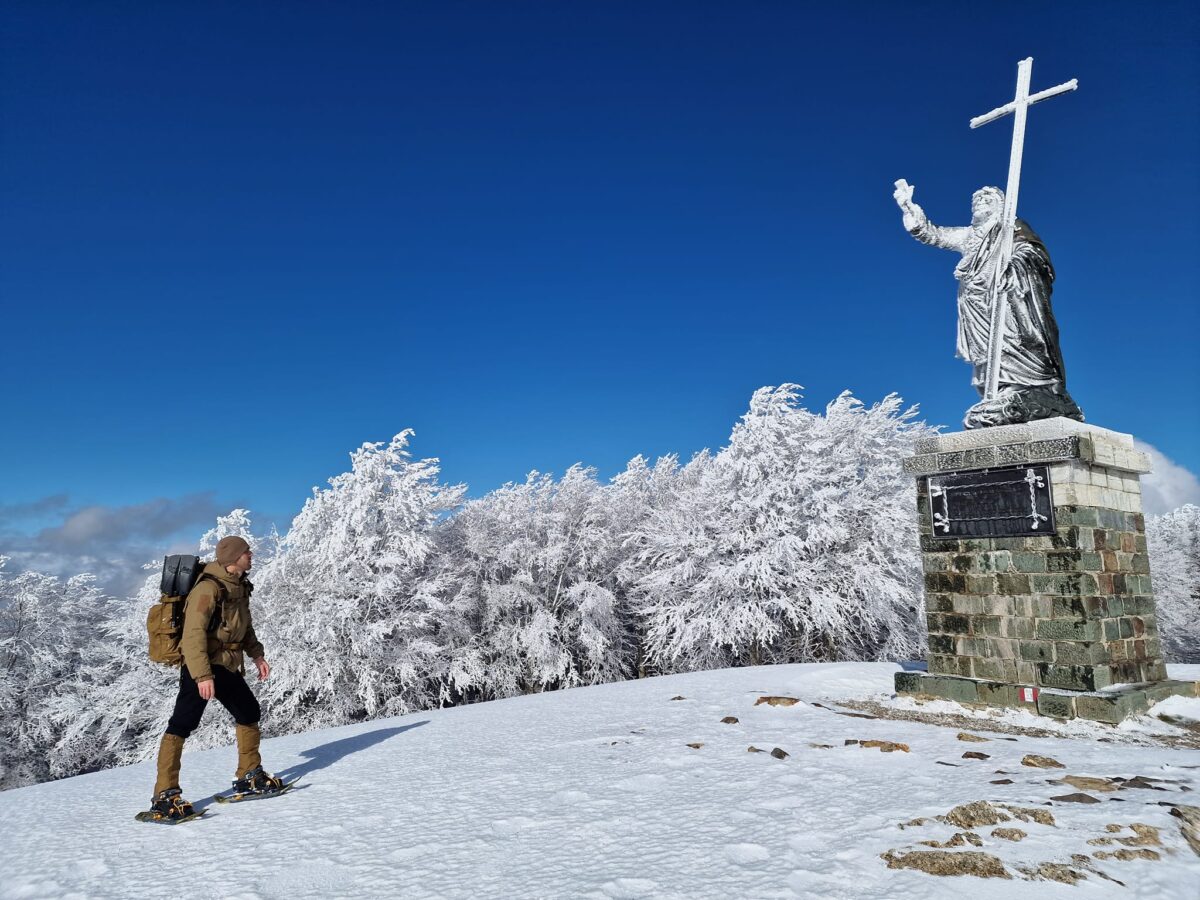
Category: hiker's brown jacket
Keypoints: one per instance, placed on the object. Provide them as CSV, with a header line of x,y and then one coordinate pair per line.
x,y
232,637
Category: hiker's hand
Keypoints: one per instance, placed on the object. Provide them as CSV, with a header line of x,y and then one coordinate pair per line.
x,y
264,668
207,688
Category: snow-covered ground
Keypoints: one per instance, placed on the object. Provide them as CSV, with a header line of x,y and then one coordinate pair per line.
x,y
595,792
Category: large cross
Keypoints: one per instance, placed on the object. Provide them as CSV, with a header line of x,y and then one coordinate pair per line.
x,y
1019,107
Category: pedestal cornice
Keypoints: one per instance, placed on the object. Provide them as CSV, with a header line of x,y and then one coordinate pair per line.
x,y
1044,441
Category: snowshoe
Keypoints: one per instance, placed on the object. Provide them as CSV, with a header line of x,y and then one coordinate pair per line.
x,y
256,781
169,807
255,785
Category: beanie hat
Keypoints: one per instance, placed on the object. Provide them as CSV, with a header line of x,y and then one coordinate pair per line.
x,y
230,548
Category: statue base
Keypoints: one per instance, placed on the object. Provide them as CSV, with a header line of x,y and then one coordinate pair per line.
x,y
1037,579
1112,705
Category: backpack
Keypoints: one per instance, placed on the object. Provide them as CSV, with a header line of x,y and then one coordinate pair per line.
x,y
164,624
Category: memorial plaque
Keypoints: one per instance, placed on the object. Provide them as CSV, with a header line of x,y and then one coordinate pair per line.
x,y
992,503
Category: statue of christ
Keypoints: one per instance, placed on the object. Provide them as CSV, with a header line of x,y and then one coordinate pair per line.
x,y
1032,380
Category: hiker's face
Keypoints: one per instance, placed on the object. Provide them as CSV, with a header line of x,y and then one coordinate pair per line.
x,y
245,561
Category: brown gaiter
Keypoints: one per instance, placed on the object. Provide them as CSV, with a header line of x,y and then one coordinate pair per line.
x,y
247,744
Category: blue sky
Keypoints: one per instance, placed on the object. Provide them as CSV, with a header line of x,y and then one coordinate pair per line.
x,y
240,239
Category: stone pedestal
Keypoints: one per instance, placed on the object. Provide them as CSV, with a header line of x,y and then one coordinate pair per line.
x,y
1061,622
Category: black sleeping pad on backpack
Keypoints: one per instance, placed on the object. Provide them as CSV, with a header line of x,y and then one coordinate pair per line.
x,y
180,574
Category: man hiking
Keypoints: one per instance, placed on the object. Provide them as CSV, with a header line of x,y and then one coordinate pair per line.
x,y
217,633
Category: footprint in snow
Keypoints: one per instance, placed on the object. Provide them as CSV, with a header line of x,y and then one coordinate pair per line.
x,y
691,761
786,801
513,825
404,854
641,782
91,868
807,842
571,797
746,854
623,888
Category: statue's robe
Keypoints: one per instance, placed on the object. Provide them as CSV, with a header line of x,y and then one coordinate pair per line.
x,y
1030,356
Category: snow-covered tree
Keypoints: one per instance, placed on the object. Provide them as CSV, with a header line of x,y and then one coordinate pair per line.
x,y
348,633
633,496
46,626
112,708
1174,544
531,570
795,542
238,523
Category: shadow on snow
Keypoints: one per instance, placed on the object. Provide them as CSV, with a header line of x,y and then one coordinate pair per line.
x,y
324,755
327,754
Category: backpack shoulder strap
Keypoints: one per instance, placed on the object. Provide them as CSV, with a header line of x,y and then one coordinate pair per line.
x,y
222,595
222,592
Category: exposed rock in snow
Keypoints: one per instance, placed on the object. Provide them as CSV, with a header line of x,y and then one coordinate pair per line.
x,y
1075,798
972,815
1041,762
1009,834
964,736
940,862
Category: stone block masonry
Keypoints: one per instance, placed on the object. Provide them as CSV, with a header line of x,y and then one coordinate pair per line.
x,y
1069,612
1079,615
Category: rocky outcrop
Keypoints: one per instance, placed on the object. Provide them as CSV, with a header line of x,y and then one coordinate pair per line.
x,y
943,862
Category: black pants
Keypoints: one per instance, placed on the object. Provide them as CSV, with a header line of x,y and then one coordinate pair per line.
x,y
232,692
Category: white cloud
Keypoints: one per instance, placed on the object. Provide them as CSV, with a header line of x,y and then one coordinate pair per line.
x,y
110,542
1168,486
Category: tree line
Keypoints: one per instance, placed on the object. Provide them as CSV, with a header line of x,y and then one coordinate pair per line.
x,y
391,592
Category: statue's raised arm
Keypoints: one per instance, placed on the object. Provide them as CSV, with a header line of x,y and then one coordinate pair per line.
x,y
918,225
